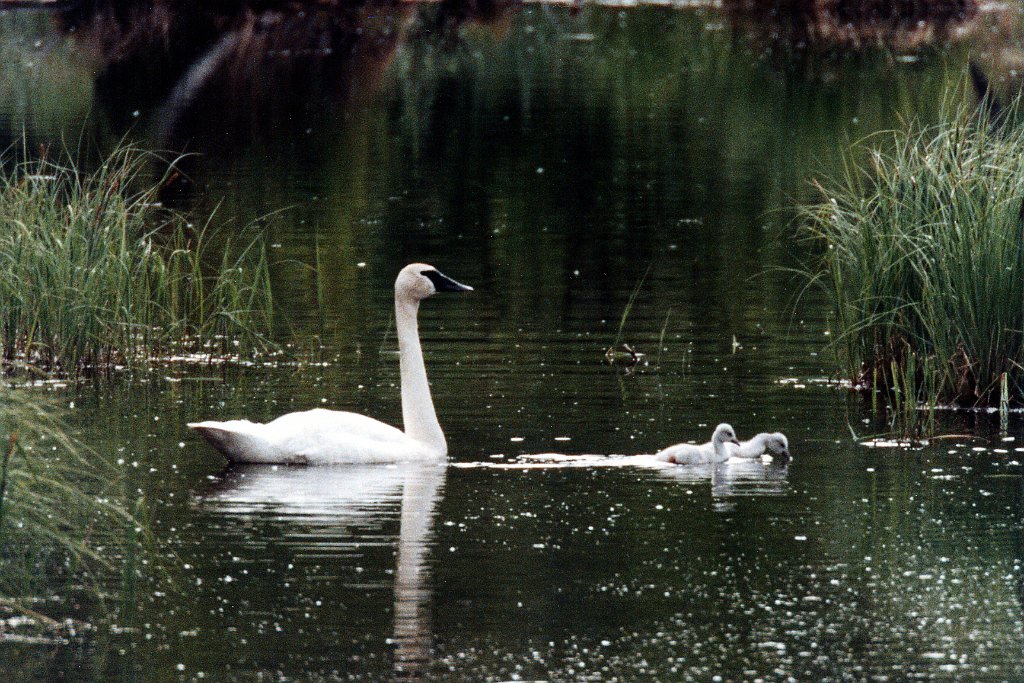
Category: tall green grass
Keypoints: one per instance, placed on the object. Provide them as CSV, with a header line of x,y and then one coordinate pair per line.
x,y
95,273
923,261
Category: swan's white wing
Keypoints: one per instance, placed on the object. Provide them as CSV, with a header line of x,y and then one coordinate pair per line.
x,y
323,437
322,423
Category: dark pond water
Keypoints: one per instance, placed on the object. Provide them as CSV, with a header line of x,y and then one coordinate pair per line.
x,y
558,163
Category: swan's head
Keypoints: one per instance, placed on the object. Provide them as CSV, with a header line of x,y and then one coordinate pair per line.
x,y
776,444
724,434
417,281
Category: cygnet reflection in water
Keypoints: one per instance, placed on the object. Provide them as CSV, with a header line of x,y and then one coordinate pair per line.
x,y
739,478
748,479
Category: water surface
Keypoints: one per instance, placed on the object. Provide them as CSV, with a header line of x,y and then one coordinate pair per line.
x,y
557,163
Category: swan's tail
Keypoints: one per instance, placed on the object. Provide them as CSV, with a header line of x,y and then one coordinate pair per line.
x,y
238,440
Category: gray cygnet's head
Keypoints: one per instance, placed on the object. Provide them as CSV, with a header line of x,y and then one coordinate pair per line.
x,y
777,444
724,434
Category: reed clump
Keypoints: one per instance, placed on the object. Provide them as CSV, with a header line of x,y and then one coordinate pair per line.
x,y
95,273
923,261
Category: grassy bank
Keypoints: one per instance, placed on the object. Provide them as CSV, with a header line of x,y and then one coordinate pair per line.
x,y
924,262
95,273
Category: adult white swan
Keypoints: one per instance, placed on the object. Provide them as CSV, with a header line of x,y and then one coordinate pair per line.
x,y
717,450
328,437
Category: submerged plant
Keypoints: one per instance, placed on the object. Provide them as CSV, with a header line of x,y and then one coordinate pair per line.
x,y
628,355
923,262
61,509
96,273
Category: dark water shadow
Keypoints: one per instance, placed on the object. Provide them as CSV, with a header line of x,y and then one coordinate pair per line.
x,y
818,26
218,77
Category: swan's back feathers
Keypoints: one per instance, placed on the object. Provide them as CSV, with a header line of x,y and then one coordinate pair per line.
x,y
324,437
312,437
323,423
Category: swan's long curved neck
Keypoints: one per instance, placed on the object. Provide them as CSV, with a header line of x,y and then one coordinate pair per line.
x,y
418,414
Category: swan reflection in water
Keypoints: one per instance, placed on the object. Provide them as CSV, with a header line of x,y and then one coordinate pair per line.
x,y
355,496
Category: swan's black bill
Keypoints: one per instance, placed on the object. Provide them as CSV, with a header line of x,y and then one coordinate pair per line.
x,y
443,283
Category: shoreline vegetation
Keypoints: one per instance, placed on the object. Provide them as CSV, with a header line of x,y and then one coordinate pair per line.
x,y
63,510
922,262
97,275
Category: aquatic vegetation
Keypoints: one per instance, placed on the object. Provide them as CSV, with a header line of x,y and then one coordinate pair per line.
x,y
96,273
628,356
922,262
61,510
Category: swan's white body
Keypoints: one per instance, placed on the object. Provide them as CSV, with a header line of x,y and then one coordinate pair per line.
x,y
714,451
329,437
774,444
313,437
